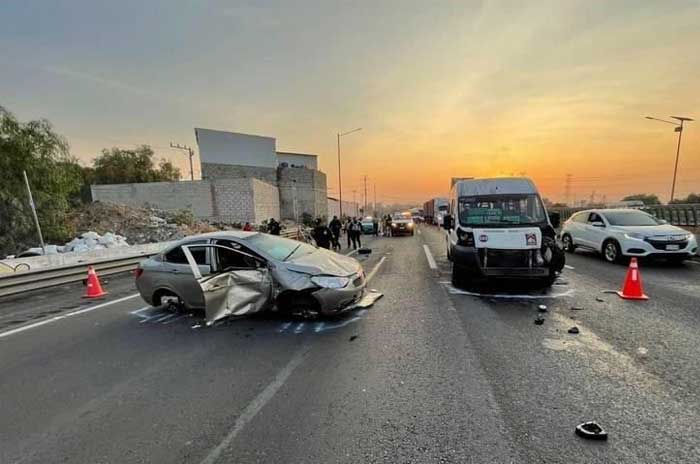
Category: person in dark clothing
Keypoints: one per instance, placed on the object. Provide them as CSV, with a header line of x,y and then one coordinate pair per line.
x,y
348,231
335,226
273,227
375,226
356,231
322,234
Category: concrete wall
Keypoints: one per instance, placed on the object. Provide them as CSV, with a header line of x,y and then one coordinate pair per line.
x,y
218,200
230,171
349,208
298,159
234,148
302,191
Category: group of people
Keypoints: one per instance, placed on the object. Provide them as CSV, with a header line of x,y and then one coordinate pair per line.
x,y
328,236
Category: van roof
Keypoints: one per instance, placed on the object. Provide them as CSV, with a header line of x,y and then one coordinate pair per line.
x,y
494,186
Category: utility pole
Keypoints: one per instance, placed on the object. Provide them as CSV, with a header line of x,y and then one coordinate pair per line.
x,y
365,193
375,198
679,129
36,218
189,151
340,181
354,201
567,189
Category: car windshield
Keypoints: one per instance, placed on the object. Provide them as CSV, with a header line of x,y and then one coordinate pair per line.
x,y
501,210
279,248
630,218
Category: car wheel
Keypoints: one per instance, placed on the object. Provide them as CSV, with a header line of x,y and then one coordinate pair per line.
x,y
568,243
611,251
163,297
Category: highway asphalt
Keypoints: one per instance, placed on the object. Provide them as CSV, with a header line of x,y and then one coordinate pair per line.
x,y
428,374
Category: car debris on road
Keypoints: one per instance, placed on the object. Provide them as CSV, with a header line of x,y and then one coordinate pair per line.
x,y
592,431
573,330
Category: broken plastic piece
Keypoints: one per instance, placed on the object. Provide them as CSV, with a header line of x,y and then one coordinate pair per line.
x,y
542,308
591,431
577,308
539,320
573,330
599,299
353,338
364,251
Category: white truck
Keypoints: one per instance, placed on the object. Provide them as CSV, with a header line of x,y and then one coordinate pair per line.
x,y
500,228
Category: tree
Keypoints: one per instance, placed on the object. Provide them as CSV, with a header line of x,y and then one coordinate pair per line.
x,y
121,166
53,175
646,198
692,198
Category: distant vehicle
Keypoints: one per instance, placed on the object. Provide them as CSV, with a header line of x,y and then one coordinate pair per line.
x,y
500,228
618,233
367,225
435,209
402,224
627,204
236,273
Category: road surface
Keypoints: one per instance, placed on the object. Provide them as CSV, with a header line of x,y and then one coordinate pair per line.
x,y
428,374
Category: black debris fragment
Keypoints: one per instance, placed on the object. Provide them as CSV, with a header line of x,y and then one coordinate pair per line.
x,y
573,330
577,308
364,251
599,299
539,320
591,431
353,338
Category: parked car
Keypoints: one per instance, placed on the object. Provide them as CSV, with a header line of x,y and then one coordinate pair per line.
x,y
499,228
618,233
367,225
236,273
402,224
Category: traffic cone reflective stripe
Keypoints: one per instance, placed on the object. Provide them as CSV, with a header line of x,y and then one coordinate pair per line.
x,y
93,288
632,287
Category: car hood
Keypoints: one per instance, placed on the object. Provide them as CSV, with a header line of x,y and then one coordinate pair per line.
x,y
324,262
401,221
662,229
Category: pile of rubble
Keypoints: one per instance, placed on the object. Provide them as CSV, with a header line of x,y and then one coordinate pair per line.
x,y
112,225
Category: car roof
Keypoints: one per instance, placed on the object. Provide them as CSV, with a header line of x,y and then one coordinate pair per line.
x,y
494,186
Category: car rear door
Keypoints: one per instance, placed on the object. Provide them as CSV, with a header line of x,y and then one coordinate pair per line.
x,y
177,275
240,283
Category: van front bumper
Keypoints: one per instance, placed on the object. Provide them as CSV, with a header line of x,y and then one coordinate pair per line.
x,y
469,259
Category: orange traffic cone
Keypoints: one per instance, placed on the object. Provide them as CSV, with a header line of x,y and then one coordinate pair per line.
x,y
93,288
632,288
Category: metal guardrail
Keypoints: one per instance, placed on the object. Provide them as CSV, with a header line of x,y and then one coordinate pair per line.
x,y
18,282
23,281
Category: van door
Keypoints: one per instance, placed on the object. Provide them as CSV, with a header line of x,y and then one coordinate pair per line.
x,y
240,285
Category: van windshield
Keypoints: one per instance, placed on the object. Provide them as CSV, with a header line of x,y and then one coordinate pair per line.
x,y
501,210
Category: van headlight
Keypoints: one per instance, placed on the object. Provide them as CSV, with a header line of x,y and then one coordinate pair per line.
x,y
330,282
634,235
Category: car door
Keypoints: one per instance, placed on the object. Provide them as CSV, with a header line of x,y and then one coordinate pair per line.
x,y
177,275
239,284
595,233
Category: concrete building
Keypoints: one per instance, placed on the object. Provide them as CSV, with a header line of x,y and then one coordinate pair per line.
x,y
349,208
244,178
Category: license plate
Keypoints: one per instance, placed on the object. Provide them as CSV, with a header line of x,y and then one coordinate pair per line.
x,y
673,247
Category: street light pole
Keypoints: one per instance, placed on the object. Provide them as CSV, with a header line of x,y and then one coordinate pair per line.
x,y
340,182
679,129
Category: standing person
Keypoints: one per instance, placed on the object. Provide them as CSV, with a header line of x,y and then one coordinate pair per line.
x,y
274,227
348,231
247,227
335,227
375,226
356,229
322,234
387,225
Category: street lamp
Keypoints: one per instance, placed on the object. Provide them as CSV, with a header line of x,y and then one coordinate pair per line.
x,y
679,129
340,182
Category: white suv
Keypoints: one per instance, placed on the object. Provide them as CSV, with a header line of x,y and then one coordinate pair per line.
x,y
627,232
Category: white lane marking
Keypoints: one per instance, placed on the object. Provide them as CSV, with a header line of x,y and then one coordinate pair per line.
x,y
431,260
64,316
375,269
139,311
569,267
166,317
350,253
284,327
456,291
179,316
692,261
257,404
299,328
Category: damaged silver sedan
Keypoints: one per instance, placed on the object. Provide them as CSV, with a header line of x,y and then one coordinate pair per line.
x,y
239,273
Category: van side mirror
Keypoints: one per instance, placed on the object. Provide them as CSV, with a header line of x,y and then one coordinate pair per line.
x,y
447,222
555,219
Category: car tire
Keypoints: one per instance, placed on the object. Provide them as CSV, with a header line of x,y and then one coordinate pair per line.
x,y
568,243
612,252
158,297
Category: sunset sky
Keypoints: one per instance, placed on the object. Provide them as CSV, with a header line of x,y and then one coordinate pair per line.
x,y
440,88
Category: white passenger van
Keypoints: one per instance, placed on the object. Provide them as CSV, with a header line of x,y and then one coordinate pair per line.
x,y
500,228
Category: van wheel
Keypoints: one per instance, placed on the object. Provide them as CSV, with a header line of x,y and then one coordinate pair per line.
x,y
459,276
568,243
611,251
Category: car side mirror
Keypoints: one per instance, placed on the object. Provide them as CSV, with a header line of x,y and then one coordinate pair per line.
x,y
555,219
447,222
597,224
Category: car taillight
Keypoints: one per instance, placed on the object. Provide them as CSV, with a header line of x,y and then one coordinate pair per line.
x,y
465,238
137,272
